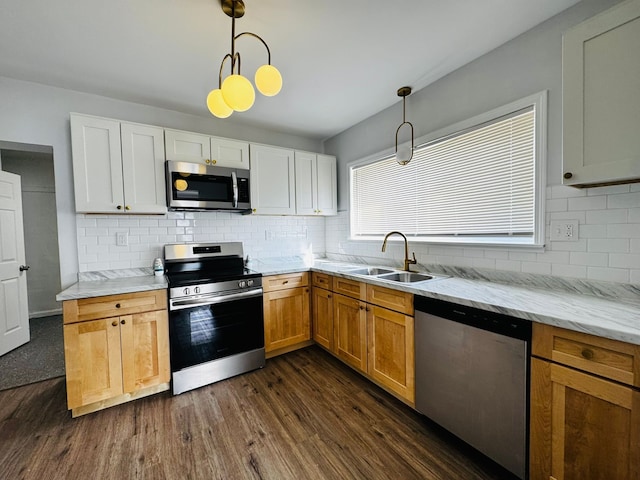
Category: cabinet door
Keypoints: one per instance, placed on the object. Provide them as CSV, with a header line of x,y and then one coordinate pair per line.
x,y
286,318
92,361
306,183
145,350
187,146
272,180
143,168
601,99
322,316
391,350
229,153
582,426
97,164
327,185
350,331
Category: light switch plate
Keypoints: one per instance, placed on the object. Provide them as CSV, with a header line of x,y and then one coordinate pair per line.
x,y
564,230
122,239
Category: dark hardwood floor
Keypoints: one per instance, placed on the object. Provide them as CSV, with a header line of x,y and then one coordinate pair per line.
x,y
304,416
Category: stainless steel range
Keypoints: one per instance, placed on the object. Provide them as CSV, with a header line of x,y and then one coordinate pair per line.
x,y
216,326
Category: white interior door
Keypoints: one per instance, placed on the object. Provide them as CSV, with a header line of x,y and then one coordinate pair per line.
x,y
14,312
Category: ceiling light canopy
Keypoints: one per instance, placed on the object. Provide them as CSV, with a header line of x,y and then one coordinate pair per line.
x,y
404,154
236,92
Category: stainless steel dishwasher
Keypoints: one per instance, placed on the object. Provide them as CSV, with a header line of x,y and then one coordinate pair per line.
x,y
472,378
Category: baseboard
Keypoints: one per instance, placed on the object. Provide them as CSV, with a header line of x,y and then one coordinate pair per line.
x,y
45,313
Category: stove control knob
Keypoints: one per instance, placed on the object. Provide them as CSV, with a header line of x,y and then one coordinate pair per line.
x,y
186,291
249,283
197,289
242,284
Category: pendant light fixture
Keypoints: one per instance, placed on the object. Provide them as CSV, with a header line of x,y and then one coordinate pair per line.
x,y
236,93
404,154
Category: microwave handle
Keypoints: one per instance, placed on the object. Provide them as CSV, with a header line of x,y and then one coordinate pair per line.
x,y
234,181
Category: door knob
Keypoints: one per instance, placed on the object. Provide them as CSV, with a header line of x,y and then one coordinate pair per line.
x,y
24,267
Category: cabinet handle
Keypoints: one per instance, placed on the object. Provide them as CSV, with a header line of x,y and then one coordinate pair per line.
x,y
285,282
119,207
122,322
207,161
307,290
587,353
117,305
568,175
127,207
328,296
114,323
361,307
213,162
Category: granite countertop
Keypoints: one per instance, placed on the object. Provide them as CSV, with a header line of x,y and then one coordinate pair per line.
x,y
618,319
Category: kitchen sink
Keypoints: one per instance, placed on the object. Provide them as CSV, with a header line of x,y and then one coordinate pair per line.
x,y
406,277
369,271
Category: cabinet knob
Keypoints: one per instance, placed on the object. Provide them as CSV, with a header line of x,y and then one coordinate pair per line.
x,y
361,307
117,305
207,161
127,207
119,207
114,323
254,210
213,162
122,322
587,353
568,175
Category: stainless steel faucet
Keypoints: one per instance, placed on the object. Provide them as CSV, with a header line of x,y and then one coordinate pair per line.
x,y
407,261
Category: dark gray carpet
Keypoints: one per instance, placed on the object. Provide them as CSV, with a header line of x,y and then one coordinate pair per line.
x,y
39,359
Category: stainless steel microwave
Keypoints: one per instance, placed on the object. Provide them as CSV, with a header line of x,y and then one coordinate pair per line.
x,y
194,186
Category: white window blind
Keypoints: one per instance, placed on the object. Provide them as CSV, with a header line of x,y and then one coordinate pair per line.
x,y
474,185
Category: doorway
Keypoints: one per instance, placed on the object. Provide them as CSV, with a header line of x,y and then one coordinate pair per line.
x,y
34,164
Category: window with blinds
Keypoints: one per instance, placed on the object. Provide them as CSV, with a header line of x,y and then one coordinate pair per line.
x,y
477,185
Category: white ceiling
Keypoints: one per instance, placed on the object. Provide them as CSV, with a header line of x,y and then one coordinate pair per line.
x,y
342,61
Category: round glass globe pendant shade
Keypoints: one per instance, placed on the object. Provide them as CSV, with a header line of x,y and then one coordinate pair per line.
x,y
268,80
217,105
238,93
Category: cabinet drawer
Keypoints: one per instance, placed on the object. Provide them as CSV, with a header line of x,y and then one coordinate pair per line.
x,y
350,288
287,280
601,356
390,298
322,280
113,305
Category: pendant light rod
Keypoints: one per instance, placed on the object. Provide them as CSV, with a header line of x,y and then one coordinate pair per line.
x,y
404,92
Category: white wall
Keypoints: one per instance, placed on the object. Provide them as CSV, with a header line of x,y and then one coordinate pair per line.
x,y
37,114
609,239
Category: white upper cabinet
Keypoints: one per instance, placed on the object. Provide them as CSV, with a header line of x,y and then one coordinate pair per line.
x,y
601,98
316,184
199,148
117,167
272,180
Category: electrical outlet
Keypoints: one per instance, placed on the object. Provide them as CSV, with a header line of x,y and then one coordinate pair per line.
x,y
122,239
564,230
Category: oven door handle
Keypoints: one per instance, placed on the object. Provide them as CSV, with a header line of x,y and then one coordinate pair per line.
x,y
234,180
213,299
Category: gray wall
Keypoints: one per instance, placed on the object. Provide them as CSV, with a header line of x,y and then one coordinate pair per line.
x,y
37,114
528,64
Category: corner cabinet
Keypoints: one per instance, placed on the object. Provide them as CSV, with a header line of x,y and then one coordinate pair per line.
x,y
286,313
199,148
585,407
316,184
116,349
118,167
371,328
601,98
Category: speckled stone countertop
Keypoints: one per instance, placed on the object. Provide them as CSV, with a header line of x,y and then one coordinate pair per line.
x,y
618,319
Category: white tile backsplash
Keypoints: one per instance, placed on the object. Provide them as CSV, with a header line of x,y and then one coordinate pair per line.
x,y
607,248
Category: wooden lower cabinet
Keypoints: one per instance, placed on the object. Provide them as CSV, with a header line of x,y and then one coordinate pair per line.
x,y
350,331
112,360
583,426
391,350
287,320
322,316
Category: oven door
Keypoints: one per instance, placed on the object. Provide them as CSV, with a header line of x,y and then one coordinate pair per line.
x,y
206,329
